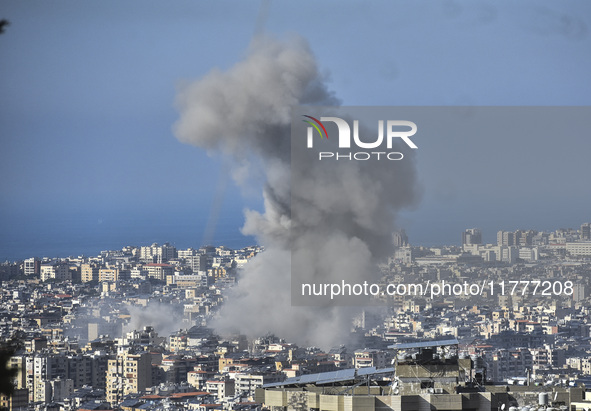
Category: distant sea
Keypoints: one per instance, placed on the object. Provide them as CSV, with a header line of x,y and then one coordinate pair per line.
x,y
25,234
63,234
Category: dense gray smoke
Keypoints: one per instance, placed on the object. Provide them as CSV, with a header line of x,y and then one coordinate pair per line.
x,y
164,318
344,221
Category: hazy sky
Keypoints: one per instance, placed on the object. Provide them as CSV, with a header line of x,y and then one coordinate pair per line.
x,y
88,90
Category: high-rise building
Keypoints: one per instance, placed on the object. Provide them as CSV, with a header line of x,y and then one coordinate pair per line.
x,y
108,274
159,271
128,374
505,238
586,231
138,272
221,388
40,370
184,254
61,389
157,254
19,362
524,238
509,254
579,248
89,272
58,271
579,292
472,236
32,267
167,252
197,262
18,400
517,237
400,239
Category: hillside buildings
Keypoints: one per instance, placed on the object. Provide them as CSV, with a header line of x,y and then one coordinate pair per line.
x,y
130,329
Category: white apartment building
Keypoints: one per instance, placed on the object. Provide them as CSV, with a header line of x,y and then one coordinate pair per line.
x,y
579,248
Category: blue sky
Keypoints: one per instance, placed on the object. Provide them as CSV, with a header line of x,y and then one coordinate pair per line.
x,y
87,109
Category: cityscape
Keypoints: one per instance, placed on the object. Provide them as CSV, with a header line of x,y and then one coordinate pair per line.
x,y
262,249
135,329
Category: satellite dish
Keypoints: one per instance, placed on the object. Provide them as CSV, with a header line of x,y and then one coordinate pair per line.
x,y
502,407
396,391
555,395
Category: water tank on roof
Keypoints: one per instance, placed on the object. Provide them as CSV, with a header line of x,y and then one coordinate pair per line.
x,y
543,398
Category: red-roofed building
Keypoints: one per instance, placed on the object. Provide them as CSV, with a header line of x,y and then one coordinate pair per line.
x,y
189,394
152,397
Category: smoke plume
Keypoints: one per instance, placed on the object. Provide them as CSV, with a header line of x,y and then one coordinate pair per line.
x,y
340,223
164,318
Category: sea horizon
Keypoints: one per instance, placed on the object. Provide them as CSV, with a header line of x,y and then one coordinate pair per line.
x,y
60,235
